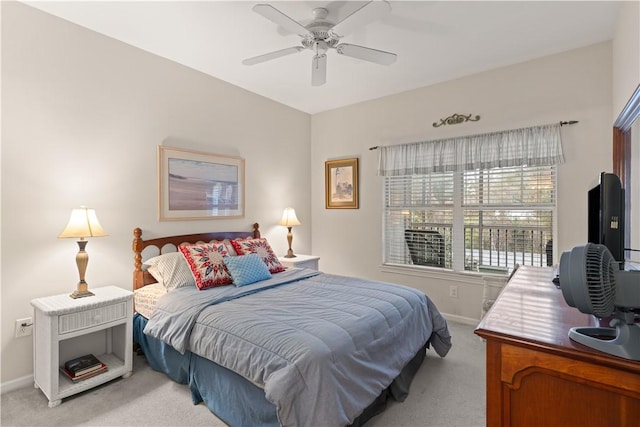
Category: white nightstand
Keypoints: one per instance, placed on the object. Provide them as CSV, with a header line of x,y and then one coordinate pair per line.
x,y
301,261
66,328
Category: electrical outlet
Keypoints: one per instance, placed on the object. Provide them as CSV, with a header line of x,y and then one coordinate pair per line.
x,y
24,327
453,291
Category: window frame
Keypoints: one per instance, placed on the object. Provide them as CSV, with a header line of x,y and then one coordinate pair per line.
x,y
459,210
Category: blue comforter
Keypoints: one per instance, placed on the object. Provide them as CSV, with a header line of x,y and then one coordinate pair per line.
x,y
322,346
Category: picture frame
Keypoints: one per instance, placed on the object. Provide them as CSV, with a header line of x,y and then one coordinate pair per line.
x,y
341,184
193,185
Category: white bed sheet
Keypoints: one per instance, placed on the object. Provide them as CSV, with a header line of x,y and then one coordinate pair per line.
x,y
145,298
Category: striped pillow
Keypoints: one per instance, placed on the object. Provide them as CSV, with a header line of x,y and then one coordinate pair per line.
x,y
171,270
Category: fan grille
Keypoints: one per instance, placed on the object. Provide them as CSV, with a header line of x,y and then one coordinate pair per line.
x,y
600,272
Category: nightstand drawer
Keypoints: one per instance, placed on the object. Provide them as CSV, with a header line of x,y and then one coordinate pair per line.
x,y
87,318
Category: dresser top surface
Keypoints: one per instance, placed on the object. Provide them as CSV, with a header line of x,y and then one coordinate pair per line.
x,y
532,309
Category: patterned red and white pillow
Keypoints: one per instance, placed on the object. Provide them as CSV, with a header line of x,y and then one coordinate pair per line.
x,y
261,247
206,265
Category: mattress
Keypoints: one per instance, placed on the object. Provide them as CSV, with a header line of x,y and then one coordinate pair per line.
x,y
146,298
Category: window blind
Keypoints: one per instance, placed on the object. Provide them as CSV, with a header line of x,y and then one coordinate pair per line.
x,y
472,220
418,203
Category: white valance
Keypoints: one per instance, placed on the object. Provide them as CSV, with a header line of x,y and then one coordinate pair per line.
x,y
533,146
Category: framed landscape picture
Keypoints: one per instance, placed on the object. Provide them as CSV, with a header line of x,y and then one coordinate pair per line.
x,y
194,185
341,184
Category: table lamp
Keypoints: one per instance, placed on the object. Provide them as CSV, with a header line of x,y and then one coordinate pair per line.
x,y
83,223
289,219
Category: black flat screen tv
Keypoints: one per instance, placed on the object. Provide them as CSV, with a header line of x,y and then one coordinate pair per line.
x,y
606,215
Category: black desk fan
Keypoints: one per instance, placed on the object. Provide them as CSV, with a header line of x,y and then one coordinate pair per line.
x,y
592,282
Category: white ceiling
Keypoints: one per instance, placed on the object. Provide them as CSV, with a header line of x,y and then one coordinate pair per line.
x,y
435,41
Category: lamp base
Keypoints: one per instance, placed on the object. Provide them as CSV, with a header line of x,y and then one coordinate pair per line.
x,y
82,290
81,294
289,254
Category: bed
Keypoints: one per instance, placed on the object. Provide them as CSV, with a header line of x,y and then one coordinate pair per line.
x,y
290,347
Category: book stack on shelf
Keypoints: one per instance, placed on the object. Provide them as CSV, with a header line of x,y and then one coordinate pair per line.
x,y
83,367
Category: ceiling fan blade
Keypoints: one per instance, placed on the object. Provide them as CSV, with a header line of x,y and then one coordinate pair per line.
x,y
366,53
272,55
319,70
361,17
274,15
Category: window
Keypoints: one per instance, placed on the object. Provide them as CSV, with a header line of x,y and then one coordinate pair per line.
x,y
480,202
479,220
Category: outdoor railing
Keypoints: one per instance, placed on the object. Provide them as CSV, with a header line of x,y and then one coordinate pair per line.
x,y
497,247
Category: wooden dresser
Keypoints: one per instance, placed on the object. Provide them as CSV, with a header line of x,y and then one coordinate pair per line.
x,y
537,376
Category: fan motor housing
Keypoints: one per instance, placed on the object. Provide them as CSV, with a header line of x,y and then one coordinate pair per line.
x,y
320,27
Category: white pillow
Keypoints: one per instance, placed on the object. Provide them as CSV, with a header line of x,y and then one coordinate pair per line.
x,y
171,269
153,270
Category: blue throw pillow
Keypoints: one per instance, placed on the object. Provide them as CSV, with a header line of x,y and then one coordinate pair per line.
x,y
246,269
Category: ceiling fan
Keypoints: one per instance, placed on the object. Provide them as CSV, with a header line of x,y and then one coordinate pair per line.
x,y
320,35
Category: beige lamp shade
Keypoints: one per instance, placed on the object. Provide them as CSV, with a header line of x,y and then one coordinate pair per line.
x,y
289,218
83,223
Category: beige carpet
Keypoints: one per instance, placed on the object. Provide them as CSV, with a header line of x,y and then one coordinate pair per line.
x,y
445,392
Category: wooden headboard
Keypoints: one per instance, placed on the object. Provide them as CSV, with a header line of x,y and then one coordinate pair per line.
x,y
142,277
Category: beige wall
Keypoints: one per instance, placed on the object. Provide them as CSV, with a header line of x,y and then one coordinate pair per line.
x,y
82,116
575,85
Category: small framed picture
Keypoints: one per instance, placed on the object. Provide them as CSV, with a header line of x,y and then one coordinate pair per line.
x,y
341,184
194,185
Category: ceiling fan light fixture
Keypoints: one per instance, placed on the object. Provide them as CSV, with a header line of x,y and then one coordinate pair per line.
x,y
320,48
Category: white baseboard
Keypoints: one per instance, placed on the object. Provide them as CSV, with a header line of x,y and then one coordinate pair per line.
x,y
22,382
461,319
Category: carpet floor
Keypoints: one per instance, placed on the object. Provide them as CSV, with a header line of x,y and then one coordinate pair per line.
x,y
446,391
